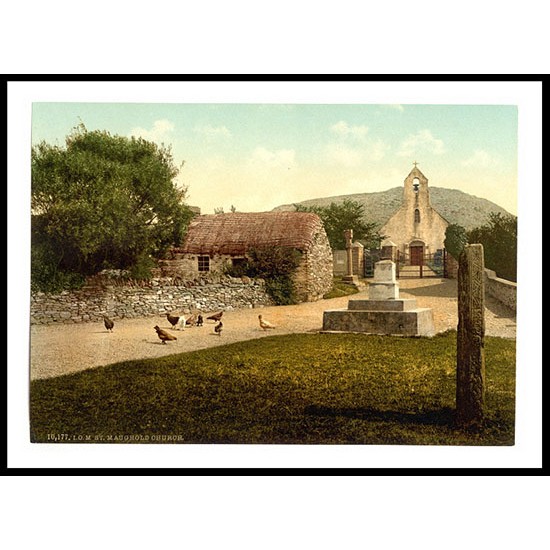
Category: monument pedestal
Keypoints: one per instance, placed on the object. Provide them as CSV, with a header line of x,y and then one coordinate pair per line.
x,y
384,312
392,317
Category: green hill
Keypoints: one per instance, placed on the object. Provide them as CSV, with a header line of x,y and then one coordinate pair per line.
x,y
455,206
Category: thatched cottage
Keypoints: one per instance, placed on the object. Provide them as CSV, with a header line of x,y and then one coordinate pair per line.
x,y
216,241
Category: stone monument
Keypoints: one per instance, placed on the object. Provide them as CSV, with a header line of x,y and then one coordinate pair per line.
x,y
470,356
349,278
384,312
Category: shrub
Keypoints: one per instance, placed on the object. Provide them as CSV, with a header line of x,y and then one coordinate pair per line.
x,y
499,240
455,240
276,265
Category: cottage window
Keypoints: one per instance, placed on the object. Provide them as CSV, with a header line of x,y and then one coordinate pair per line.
x,y
204,263
417,216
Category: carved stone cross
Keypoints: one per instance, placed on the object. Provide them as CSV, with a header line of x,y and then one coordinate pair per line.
x,y
470,372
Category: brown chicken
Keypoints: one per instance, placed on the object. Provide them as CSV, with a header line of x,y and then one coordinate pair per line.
x,y
216,316
191,320
218,328
163,335
109,323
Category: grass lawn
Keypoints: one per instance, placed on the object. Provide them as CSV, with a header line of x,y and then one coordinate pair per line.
x,y
302,388
339,289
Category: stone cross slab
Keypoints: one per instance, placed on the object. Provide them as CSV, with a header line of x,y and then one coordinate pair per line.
x,y
470,356
348,236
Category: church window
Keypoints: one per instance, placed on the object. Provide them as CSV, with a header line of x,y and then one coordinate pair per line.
x,y
416,184
417,216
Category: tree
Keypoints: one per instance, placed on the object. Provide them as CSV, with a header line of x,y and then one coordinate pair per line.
x,y
102,201
499,240
455,240
338,217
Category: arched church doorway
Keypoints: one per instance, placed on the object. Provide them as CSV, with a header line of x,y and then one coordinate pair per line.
x,y
416,253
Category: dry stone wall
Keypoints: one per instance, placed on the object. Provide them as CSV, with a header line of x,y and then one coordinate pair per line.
x,y
155,297
501,289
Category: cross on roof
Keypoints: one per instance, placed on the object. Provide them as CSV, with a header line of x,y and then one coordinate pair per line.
x,y
415,163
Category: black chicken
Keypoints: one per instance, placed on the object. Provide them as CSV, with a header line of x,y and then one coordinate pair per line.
x,y
173,320
109,323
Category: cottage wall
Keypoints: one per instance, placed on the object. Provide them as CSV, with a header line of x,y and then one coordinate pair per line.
x,y
186,266
314,275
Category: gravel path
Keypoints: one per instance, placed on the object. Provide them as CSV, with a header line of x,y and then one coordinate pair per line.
x,y
63,348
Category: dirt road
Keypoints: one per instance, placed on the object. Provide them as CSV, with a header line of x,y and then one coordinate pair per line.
x,y
67,348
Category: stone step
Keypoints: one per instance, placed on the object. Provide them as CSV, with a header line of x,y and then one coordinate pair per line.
x,y
418,322
401,304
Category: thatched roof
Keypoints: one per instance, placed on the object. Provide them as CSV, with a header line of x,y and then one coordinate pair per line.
x,y
237,232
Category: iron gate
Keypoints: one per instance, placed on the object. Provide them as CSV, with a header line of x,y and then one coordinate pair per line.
x,y
420,266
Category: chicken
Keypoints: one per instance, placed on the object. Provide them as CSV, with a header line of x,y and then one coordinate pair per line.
x,y
109,323
191,320
163,335
218,328
265,324
173,320
199,320
216,316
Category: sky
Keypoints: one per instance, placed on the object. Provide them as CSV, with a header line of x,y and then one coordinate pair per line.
x,y
256,156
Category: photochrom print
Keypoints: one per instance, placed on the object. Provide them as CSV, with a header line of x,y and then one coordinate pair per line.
x,y
273,273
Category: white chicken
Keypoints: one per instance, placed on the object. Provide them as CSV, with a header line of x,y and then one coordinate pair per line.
x,y
265,324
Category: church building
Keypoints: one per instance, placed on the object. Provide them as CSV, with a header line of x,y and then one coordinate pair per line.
x,y
416,230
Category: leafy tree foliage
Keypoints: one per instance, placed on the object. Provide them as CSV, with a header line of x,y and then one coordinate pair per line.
x,y
456,238
499,240
102,201
337,217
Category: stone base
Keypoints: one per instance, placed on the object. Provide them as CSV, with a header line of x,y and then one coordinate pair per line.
x,y
391,317
418,322
401,304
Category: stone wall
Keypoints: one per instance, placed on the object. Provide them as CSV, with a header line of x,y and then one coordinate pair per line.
x,y
340,262
452,267
501,289
156,297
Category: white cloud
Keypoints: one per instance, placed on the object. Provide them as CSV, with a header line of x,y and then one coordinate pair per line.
x,y
377,150
344,130
421,142
348,156
161,130
481,159
213,132
262,157
338,153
